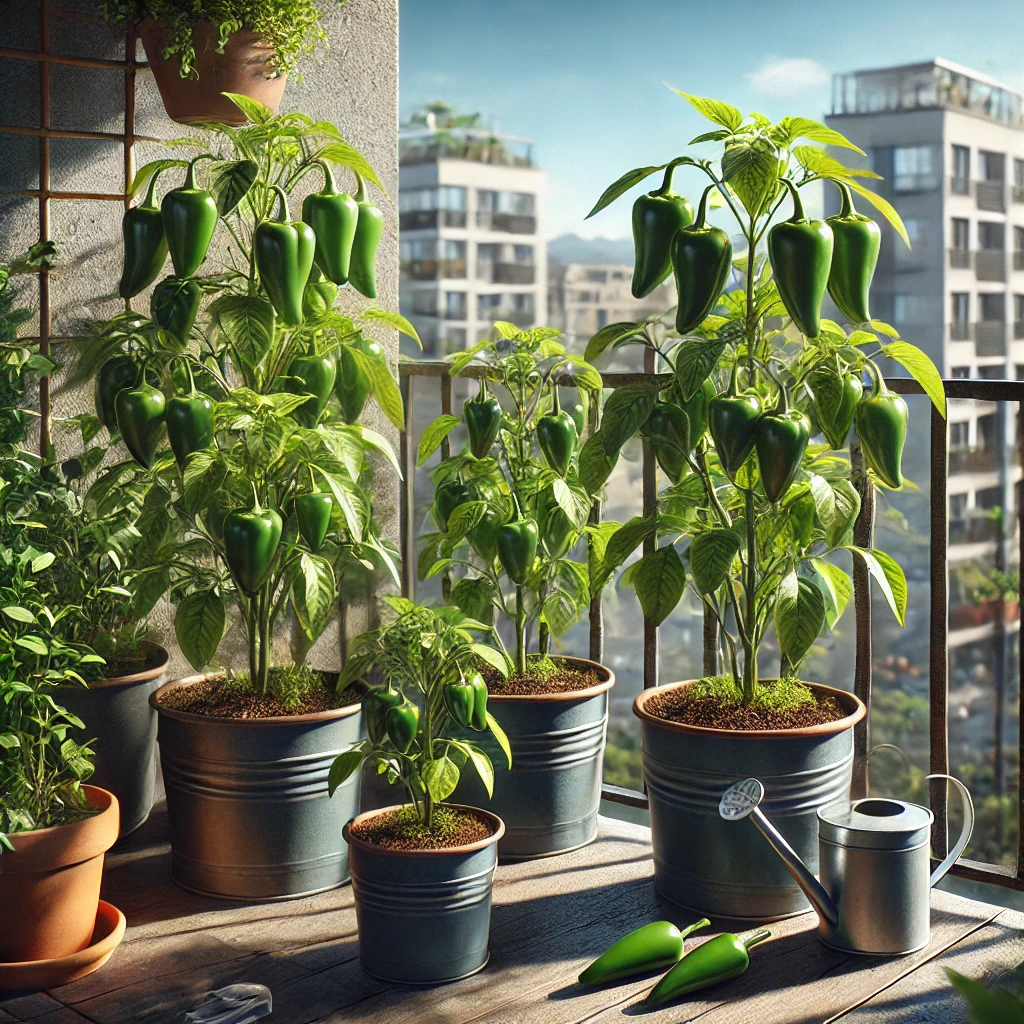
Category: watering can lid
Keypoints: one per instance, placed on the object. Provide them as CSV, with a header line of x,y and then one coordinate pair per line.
x,y
875,824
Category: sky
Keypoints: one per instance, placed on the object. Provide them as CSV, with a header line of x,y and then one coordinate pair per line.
x,y
591,82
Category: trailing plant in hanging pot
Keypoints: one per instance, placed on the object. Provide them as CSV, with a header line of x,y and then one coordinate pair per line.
x,y
511,510
423,727
199,50
749,419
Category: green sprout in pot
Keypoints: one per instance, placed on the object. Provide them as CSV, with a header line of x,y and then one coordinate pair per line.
x,y
429,661
511,508
756,522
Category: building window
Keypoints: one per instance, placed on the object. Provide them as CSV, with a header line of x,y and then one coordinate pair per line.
x,y
424,302
522,302
911,309
455,305
961,307
961,372
961,170
914,168
487,306
959,435
958,506
523,254
993,165
992,306
421,207
506,211
961,234
602,318
991,235
997,372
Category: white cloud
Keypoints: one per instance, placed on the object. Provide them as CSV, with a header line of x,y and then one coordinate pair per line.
x,y
790,77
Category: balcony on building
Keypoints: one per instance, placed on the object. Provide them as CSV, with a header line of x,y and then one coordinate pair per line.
x,y
505,264
990,338
423,209
432,259
437,134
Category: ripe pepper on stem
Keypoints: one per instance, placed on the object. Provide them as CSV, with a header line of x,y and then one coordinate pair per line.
x,y
856,241
333,216
882,431
190,217
702,259
657,216
283,250
145,247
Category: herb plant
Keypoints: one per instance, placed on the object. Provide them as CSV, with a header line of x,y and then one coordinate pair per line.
x,y
429,661
758,517
510,508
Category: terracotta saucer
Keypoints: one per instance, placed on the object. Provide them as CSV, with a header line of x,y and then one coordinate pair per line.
x,y
106,936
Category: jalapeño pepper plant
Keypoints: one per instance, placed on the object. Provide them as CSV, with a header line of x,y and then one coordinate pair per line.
x,y
511,506
757,395
428,659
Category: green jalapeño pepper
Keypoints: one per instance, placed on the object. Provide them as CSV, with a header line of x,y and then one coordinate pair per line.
x,y
362,271
140,421
315,376
668,426
557,437
376,705
145,248
479,718
458,702
732,420
174,306
800,251
719,959
856,241
313,514
556,528
657,216
696,410
284,250
579,417
332,215
484,536
836,396
319,295
780,438
189,425
882,430
517,548
116,374
482,416
702,259
353,385
401,723
251,539
190,218
448,496
649,948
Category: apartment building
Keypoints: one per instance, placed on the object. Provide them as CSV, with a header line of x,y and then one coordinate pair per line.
x,y
949,143
470,230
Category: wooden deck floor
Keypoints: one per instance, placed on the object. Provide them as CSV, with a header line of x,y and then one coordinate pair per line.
x,y
551,917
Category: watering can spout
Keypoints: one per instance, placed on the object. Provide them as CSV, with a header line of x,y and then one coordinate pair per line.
x,y
741,801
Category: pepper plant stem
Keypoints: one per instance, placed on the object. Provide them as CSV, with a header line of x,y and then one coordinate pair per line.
x,y
520,631
750,595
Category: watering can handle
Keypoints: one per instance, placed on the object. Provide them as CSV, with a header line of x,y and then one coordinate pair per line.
x,y
965,833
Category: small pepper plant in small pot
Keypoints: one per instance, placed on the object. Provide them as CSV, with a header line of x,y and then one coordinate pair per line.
x,y
422,871
199,50
750,423
511,508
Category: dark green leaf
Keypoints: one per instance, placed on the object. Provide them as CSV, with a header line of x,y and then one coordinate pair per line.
x,y
342,767
625,413
611,335
711,556
714,110
799,616
594,464
621,186
659,580
921,368
435,433
385,388
695,361
475,597
199,626
232,182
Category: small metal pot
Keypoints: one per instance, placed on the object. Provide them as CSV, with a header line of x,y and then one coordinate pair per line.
x,y
247,803
424,916
703,863
550,798
118,717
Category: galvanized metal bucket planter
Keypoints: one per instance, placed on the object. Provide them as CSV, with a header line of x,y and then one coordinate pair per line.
x,y
118,716
247,803
706,864
550,798
424,916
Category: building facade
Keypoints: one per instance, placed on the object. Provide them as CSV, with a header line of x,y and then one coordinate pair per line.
x,y
471,233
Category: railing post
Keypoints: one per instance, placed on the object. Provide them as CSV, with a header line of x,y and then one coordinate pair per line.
x,y
446,450
863,536
596,608
407,494
650,500
938,668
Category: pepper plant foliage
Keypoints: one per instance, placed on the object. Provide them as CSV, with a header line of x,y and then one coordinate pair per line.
x,y
757,520
263,498
511,507
426,657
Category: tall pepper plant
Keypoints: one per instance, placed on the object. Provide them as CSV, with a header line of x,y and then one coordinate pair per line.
x,y
240,429
510,507
757,395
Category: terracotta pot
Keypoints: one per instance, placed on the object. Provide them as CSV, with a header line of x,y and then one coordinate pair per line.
x,y
243,68
50,884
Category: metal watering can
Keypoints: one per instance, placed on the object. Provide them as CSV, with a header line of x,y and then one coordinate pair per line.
x,y
873,855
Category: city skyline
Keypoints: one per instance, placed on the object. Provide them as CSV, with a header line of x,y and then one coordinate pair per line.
x,y
783,63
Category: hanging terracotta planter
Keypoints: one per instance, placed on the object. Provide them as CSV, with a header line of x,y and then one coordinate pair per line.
x,y
244,67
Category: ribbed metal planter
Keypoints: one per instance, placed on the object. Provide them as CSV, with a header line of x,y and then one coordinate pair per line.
x,y
549,800
706,864
424,916
118,716
249,814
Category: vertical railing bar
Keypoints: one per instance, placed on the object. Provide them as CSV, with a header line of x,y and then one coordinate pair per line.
x,y
45,313
446,450
938,668
650,500
129,113
407,495
710,666
863,535
1019,496
596,510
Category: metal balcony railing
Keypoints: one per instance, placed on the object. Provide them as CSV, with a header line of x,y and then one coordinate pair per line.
x,y
961,331
1018,193
433,270
960,186
960,259
943,533
990,337
506,273
976,530
971,460
416,220
514,223
990,265
1018,259
990,195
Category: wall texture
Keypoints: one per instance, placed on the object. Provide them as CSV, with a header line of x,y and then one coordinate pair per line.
x,y
354,84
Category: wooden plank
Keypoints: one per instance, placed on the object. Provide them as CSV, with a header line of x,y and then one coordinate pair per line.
x,y
29,1007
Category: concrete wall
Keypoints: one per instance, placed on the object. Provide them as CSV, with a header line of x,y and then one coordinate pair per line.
x,y
353,84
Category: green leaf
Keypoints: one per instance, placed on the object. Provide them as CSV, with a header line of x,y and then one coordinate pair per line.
x,y
483,766
435,433
560,611
315,598
711,557
625,413
752,168
43,561
464,517
342,767
988,1006
247,323
619,187
493,657
695,361
385,388
804,128
659,580
475,597
824,503
714,110
33,644
146,171
585,376
847,509
921,368
799,616
622,543
343,154
392,319
595,466
257,112
889,577
819,162
837,586
440,775
19,614
884,207
199,626
9,740
499,734
232,182
611,336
